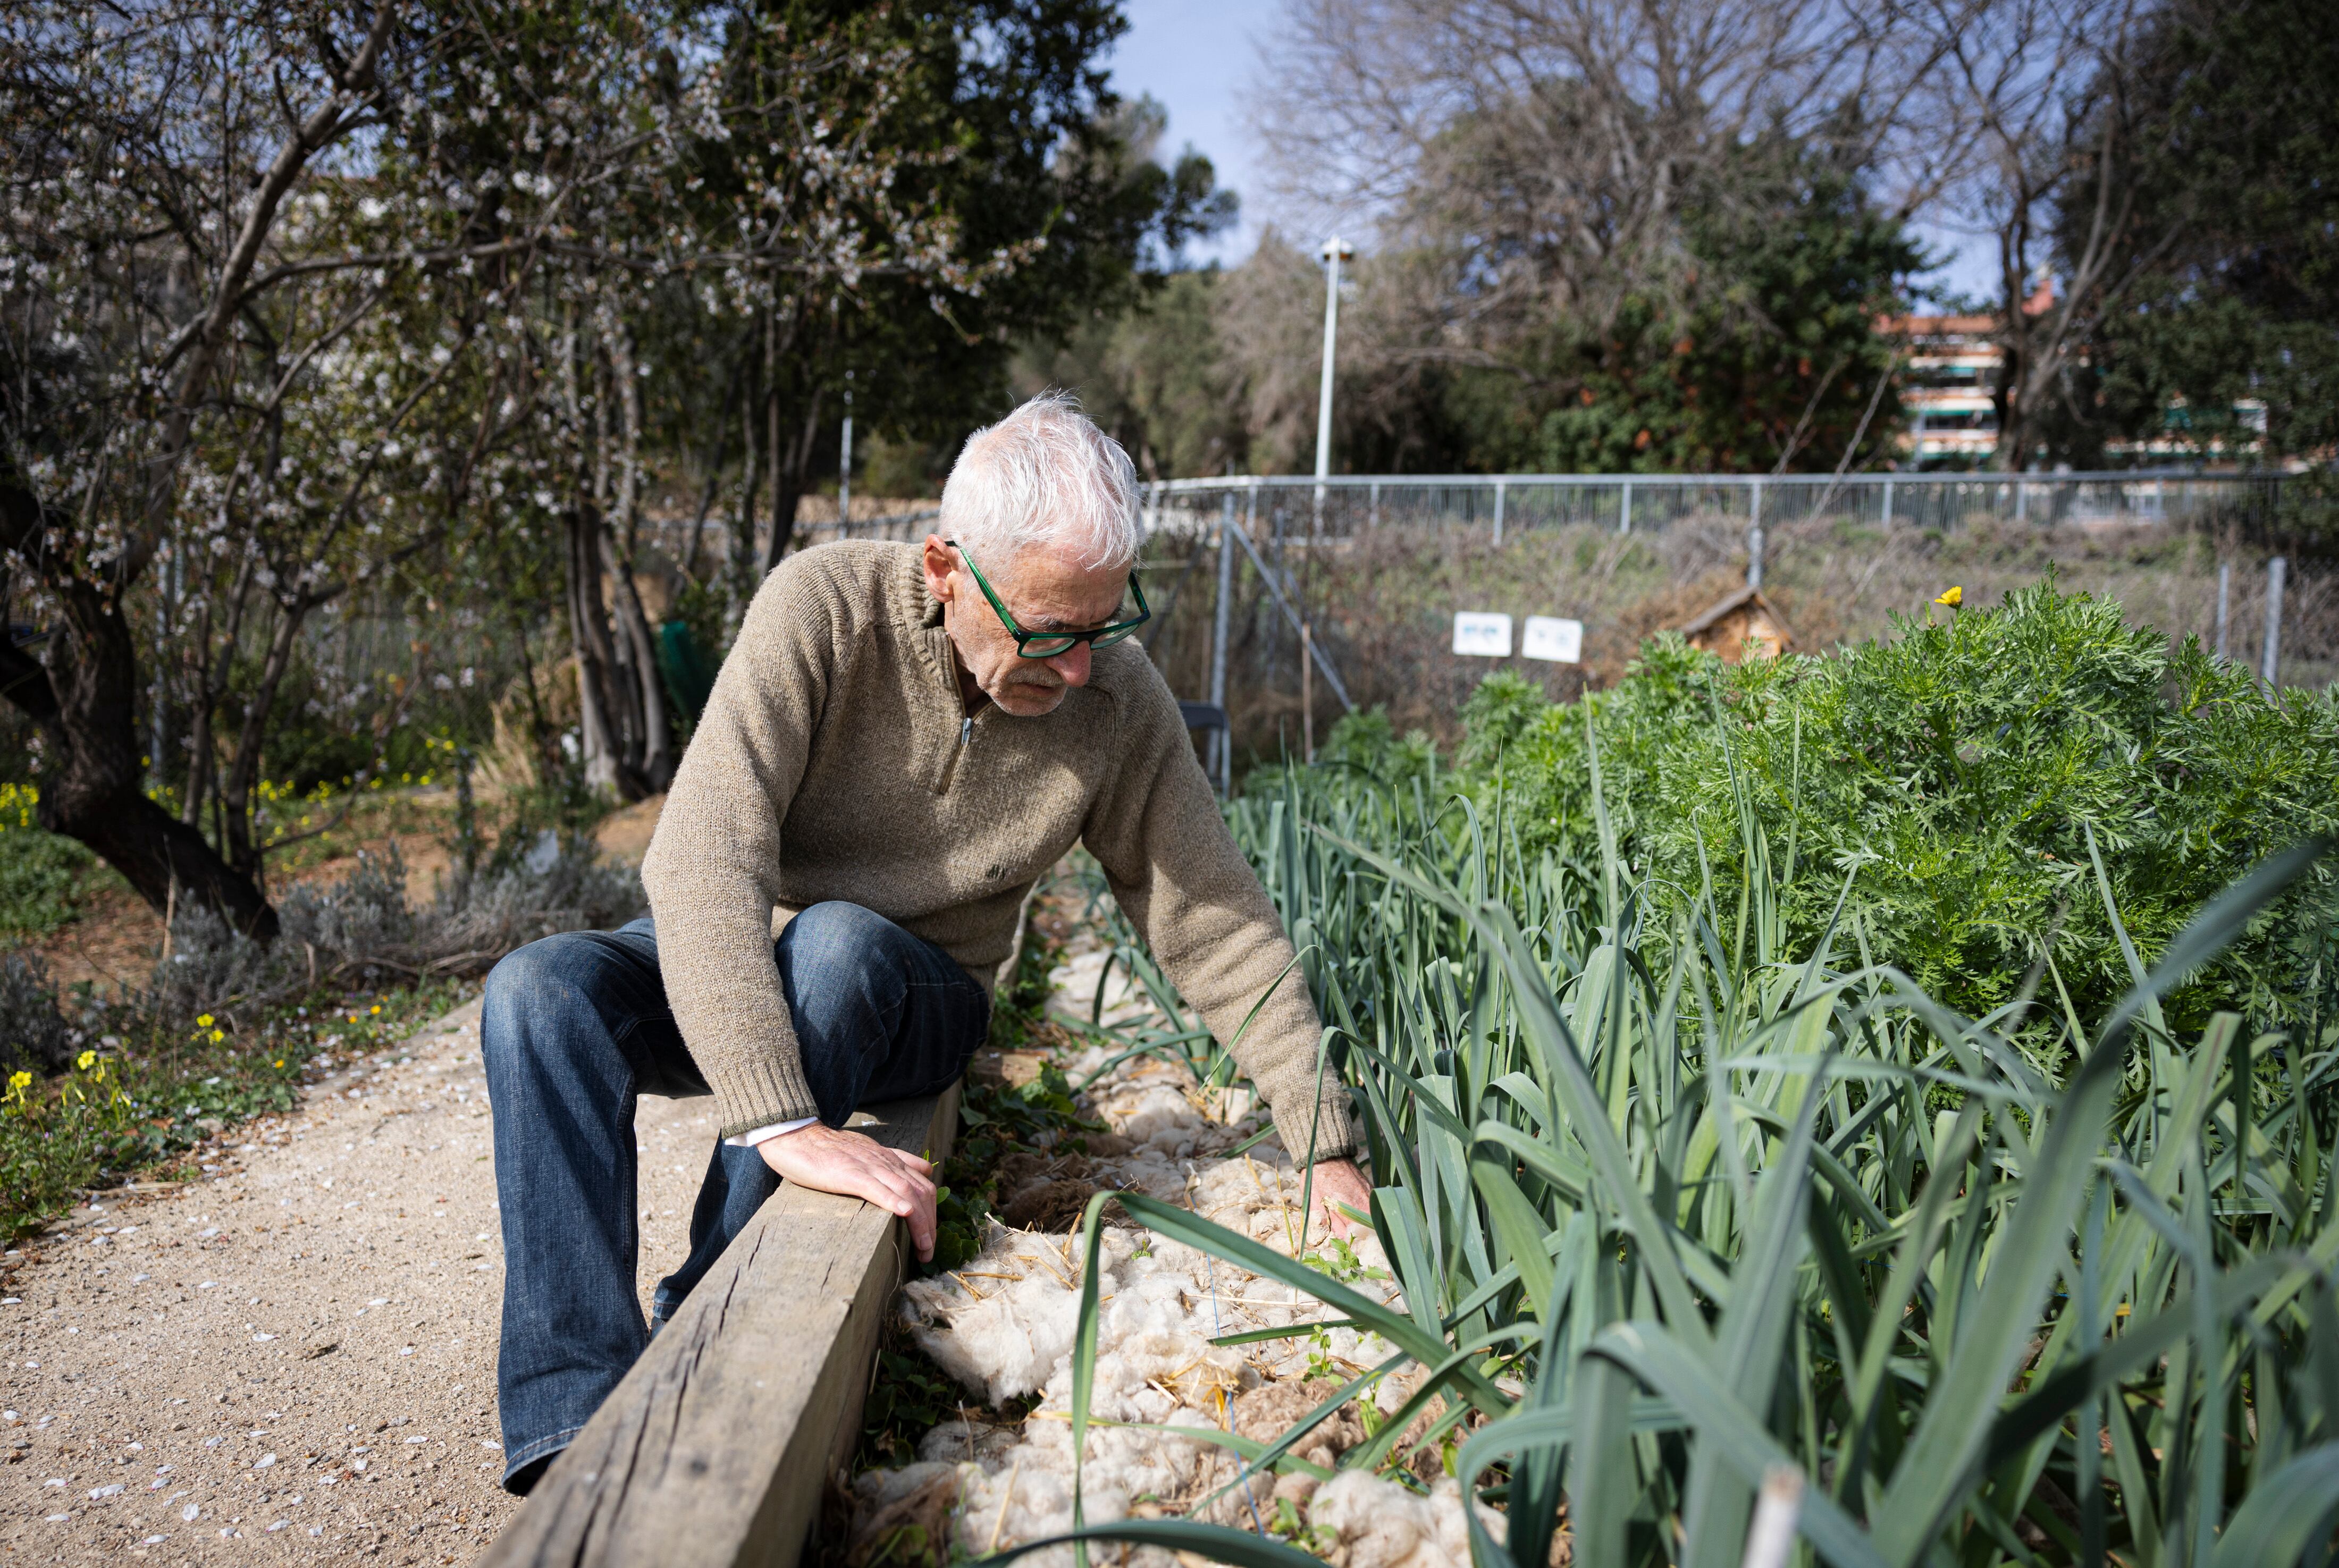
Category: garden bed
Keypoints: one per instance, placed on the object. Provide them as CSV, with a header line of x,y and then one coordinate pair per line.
x,y
1180,1407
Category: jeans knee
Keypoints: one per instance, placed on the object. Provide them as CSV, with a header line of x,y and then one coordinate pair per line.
x,y
548,981
839,954
838,937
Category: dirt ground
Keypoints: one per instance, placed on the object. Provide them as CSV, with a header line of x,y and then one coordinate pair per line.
x,y
293,1359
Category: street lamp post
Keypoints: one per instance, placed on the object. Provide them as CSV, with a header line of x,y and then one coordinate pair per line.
x,y
844,465
1336,250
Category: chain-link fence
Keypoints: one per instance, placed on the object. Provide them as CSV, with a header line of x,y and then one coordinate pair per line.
x,y
1368,574
1505,503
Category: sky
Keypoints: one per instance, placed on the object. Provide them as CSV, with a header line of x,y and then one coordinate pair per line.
x,y
1198,59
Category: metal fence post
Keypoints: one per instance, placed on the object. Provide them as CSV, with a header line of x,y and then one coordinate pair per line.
x,y
2225,588
2021,501
1624,510
1373,518
1755,536
1888,503
1498,514
2275,569
1222,739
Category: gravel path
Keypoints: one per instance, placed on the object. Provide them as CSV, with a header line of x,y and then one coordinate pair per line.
x,y
293,1359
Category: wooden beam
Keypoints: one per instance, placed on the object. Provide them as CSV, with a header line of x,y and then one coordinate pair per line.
x,y
714,1448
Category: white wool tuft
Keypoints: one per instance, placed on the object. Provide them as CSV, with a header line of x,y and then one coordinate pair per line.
x,y
1156,1114
1005,1335
1381,1524
1032,1496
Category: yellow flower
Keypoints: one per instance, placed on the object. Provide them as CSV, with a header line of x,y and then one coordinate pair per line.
x,y
18,1083
218,1035
1953,597
86,1060
377,1007
204,1020
279,1063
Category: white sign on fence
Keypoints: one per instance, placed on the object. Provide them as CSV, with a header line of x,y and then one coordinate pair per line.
x,y
1483,632
1551,637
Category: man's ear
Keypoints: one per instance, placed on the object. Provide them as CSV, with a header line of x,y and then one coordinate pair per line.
x,y
940,565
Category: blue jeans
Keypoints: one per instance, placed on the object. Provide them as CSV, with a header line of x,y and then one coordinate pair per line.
x,y
572,1030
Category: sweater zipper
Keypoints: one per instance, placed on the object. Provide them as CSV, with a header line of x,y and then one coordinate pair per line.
x,y
951,758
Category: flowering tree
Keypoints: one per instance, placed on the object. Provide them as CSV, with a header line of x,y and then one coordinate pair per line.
x,y
295,294
162,168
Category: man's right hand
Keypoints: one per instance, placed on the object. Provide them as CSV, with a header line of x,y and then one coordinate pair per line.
x,y
824,1158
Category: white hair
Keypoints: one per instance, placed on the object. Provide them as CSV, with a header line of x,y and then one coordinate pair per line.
x,y
1043,476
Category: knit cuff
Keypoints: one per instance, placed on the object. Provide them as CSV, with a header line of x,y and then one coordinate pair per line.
x,y
1332,1125
760,1090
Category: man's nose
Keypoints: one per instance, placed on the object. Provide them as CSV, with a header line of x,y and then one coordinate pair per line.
x,y
1071,666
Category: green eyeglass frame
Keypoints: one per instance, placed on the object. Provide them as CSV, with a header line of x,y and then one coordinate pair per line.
x,y
1050,644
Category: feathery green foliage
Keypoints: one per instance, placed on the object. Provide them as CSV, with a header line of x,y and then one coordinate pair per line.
x,y
1961,767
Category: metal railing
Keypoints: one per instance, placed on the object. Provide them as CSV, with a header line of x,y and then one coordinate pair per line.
x,y
901,527
1266,584
1629,503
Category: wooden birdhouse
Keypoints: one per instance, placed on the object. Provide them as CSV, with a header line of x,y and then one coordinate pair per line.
x,y
1744,625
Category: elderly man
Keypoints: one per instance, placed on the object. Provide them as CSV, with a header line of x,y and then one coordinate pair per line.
x,y
903,739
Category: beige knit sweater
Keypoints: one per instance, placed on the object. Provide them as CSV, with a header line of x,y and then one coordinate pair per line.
x,y
837,761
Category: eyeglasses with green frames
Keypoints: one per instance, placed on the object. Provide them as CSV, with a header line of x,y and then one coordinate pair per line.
x,y
1047,644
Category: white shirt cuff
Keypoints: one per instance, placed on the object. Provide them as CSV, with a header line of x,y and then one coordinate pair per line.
x,y
756,1135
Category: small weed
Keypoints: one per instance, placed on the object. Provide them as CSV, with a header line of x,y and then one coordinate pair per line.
x,y
909,1396
1338,1260
1320,1362
1287,1524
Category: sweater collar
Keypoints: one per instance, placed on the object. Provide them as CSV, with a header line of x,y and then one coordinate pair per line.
x,y
920,614
919,601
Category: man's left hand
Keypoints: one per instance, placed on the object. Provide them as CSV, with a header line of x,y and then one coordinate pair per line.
x,y
1338,1181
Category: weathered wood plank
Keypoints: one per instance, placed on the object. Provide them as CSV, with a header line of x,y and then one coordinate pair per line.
x,y
714,1448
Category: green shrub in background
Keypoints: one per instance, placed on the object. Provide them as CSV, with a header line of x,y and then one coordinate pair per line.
x,y
40,873
1974,780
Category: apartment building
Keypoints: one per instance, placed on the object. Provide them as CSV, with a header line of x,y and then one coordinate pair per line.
x,y
1951,371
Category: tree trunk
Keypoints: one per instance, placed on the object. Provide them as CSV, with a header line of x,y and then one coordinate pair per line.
x,y
654,764
790,478
739,576
91,789
85,700
784,509
714,479
199,758
243,773
589,635
653,757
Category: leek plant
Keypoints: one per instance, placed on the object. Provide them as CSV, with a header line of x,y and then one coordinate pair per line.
x,y
1676,1210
